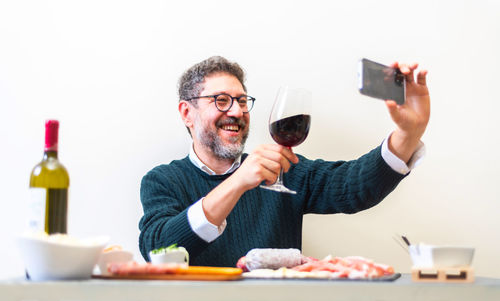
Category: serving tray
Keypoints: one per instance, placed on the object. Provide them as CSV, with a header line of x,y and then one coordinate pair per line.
x,y
387,278
207,277
200,277
200,273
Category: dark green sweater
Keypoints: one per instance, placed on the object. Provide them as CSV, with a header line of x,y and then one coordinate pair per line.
x,y
261,218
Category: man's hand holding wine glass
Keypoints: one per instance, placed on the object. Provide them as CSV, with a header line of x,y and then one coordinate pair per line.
x,y
264,164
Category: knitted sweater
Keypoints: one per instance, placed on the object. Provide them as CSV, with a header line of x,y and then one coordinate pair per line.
x,y
261,218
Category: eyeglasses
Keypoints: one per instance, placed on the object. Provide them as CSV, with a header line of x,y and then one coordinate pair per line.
x,y
224,102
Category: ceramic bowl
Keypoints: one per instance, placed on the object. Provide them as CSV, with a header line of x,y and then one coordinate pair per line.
x,y
427,256
173,256
60,259
452,256
113,256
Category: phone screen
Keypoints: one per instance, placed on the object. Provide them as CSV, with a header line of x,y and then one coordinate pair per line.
x,y
380,81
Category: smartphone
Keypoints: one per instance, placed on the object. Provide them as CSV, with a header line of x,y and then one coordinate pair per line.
x,y
382,82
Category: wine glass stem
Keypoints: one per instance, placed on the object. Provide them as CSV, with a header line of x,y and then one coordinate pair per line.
x,y
280,177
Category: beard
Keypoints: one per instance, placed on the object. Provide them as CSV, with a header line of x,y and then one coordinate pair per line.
x,y
208,137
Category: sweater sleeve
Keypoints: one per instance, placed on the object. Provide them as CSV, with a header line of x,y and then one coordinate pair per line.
x,y
344,186
165,218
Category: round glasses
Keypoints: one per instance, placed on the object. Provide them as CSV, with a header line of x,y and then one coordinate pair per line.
x,y
224,102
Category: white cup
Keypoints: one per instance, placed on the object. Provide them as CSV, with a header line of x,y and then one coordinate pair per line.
x,y
421,256
170,257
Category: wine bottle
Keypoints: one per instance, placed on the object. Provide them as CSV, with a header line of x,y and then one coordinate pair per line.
x,y
49,183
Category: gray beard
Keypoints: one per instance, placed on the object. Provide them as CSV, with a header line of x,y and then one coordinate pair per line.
x,y
211,140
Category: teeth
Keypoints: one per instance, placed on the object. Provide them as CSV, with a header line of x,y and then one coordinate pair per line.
x,y
230,127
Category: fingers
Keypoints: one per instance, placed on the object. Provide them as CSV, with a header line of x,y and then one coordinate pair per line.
x,y
256,169
276,151
264,164
421,77
270,170
408,72
392,107
290,156
279,154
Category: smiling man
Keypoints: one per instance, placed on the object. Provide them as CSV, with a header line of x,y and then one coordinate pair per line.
x,y
210,201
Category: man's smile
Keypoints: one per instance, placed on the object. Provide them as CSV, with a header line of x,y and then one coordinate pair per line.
x,y
231,127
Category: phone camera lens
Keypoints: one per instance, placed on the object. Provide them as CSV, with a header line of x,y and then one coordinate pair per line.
x,y
399,79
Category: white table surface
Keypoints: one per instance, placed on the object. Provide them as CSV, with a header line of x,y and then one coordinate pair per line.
x,y
483,289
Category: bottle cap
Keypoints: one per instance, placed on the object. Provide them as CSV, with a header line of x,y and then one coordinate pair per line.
x,y
51,135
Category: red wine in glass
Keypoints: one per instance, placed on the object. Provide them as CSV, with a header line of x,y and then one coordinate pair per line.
x,y
291,131
289,124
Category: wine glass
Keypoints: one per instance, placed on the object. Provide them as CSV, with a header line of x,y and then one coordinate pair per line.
x,y
289,124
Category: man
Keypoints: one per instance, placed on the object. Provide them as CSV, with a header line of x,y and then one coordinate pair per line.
x,y
210,202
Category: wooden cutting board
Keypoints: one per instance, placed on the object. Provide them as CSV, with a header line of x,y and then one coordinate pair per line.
x,y
200,273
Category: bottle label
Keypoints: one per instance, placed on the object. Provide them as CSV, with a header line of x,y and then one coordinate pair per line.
x,y
36,214
56,210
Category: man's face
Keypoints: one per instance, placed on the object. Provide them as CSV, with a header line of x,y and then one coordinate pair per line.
x,y
221,133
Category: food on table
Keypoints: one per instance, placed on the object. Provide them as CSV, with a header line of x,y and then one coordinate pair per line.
x,y
172,253
270,259
134,268
289,263
171,248
352,267
113,254
64,239
113,248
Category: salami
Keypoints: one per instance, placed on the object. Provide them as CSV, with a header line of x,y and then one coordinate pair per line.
x,y
271,259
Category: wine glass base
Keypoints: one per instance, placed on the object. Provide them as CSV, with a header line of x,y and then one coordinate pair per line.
x,y
278,188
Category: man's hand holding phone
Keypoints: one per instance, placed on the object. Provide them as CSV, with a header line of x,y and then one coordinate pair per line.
x,y
412,117
406,97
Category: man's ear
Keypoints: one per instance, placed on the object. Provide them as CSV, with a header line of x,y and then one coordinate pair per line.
x,y
186,113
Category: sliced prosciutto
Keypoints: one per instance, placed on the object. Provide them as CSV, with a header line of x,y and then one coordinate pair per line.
x,y
347,267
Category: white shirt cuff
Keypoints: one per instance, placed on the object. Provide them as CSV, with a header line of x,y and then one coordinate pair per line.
x,y
201,226
397,164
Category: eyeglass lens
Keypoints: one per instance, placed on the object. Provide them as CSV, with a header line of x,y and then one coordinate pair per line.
x,y
224,102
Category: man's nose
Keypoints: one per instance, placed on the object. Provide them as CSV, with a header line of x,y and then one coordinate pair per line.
x,y
235,110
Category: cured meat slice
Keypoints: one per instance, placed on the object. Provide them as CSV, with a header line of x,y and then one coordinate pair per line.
x,y
353,267
134,268
242,264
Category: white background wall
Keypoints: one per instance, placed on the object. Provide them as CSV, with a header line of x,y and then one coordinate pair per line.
x,y
108,71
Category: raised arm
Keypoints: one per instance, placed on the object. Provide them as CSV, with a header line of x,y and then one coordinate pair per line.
x,y
412,117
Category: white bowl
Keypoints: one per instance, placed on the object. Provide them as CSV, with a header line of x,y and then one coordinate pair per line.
x,y
452,256
47,259
427,256
114,256
173,256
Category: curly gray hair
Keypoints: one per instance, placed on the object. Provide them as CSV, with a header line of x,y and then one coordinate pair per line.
x,y
191,82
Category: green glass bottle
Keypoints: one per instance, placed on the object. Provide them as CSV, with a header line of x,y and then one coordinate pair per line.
x,y
49,183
